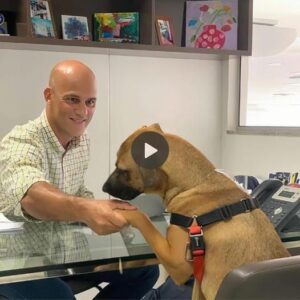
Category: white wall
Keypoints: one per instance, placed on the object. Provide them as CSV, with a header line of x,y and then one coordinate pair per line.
x,y
259,155
183,95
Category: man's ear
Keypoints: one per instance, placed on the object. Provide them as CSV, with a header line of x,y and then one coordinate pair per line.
x,y
47,94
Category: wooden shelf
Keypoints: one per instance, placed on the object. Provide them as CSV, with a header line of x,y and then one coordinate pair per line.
x,y
147,9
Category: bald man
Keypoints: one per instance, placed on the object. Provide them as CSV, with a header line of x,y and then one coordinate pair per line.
x,y
43,164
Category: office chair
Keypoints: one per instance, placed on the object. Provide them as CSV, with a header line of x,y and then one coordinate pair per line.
x,y
248,182
266,280
266,189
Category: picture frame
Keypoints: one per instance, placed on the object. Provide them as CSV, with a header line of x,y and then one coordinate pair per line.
x,y
42,22
118,27
164,30
75,28
212,24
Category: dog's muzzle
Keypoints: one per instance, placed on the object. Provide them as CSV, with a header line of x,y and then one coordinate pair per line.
x,y
116,185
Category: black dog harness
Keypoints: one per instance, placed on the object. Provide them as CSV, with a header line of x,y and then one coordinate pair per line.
x,y
196,244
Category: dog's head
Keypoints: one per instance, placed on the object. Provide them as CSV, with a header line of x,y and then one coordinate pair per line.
x,y
129,180
183,168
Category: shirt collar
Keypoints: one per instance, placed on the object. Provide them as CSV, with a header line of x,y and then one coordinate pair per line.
x,y
53,140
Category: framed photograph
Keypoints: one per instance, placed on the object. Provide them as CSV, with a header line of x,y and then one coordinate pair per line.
x,y
75,28
41,19
116,27
212,24
164,31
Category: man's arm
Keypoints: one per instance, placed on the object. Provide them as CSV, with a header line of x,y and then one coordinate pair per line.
x,y
45,202
27,192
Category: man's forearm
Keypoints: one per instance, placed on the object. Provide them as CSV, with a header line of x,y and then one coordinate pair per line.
x,y
45,202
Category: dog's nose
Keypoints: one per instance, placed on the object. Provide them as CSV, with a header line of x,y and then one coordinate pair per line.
x,y
105,187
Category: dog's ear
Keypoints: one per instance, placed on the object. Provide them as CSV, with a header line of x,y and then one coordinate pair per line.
x,y
155,127
154,179
149,177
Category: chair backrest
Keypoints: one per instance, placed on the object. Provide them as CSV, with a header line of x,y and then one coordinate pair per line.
x,y
270,279
267,188
248,182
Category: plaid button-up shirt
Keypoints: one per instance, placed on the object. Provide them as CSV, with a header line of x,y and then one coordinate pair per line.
x,y
32,153
28,154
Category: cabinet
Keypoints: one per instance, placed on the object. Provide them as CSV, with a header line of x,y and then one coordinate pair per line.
x,y
148,10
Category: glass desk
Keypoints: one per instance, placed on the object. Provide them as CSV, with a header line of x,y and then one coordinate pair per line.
x,y
51,249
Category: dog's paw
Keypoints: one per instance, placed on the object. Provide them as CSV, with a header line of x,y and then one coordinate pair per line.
x,y
128,234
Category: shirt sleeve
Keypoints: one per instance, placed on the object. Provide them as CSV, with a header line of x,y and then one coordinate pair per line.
x,y
85,192
20,167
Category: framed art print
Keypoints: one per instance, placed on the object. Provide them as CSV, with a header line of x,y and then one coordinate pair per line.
x,y
164,31
75,28
212,24
41,19
120,27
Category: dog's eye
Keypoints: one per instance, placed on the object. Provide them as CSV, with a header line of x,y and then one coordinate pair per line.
x,y
123,173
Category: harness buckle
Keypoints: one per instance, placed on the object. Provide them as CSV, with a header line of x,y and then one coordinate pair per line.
x,y
247,204
195,246
188,255
225,212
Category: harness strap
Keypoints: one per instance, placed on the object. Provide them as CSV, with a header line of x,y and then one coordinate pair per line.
x,y
196,242
220,214
197,249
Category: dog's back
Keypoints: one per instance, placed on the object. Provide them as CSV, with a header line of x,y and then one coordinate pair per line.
x,y
244,238
247,237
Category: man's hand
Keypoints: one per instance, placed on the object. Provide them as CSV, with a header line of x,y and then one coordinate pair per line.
x,y
45,202
102,215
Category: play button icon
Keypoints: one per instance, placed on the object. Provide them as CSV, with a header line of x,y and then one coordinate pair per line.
x,y
150,150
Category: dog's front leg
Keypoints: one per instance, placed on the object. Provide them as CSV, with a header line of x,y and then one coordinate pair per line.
x,y
170,250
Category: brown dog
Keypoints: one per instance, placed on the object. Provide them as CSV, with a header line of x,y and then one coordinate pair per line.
x,y
190,185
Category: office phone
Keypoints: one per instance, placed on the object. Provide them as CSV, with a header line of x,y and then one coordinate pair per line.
x,y
281,204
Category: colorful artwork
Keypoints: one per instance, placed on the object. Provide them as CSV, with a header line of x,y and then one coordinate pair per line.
x,y
75,28
212,24
41,20
42,27
117,27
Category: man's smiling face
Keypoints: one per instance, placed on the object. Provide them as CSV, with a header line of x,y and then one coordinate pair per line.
x,y
71,103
